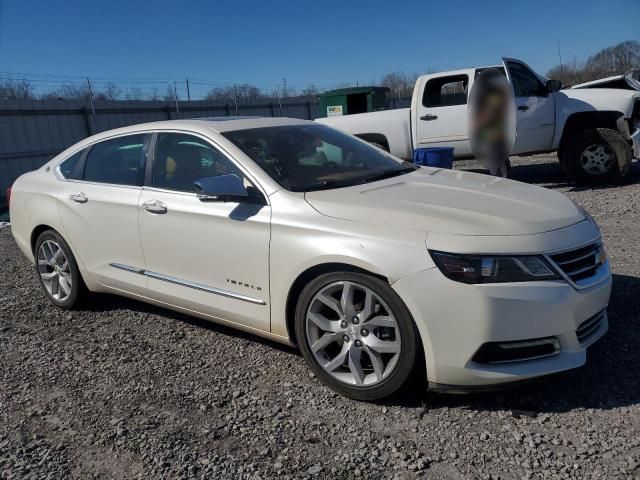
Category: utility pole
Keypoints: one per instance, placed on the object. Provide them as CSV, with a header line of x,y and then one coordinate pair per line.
x,y
284,88
559,56
279,99
235,97
188,90
175,94
93,110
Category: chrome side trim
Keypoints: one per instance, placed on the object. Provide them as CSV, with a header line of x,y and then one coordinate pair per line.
x,y
187,283
127,268
204,288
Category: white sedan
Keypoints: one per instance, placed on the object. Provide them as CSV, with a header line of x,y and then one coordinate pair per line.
x,y
375,268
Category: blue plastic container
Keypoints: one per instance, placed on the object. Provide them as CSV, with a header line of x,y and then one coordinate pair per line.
x,y
441,157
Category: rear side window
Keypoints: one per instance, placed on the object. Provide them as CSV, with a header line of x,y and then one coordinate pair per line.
x,y
118,161
69,168
446,91
181,159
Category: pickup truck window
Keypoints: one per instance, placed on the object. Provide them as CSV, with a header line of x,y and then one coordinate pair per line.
x,y
446,91
303,158
525,83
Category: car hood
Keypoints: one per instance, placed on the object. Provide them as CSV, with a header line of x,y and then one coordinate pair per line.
x,y
574,100
449,201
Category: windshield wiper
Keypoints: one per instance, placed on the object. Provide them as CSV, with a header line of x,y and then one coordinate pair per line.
x,y
350,182
324,185
388,174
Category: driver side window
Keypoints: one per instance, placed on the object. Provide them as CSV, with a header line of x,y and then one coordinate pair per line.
x,y
181,159
525,83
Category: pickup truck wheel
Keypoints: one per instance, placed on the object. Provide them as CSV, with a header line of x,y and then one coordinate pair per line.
x,y
594,157
356,335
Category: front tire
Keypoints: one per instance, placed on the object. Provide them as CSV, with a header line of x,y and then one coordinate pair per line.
x,y
58,271
356,335
594,157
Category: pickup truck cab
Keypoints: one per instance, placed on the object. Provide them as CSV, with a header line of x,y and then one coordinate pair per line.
x,y
596,132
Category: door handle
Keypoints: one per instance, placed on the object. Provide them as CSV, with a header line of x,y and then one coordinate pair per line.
x,y
428,117
154,206
523,108
79,197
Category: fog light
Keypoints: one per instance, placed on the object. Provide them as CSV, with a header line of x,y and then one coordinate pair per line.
x,y
517,351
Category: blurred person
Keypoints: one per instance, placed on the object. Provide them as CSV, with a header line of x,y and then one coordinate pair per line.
x,y
491,108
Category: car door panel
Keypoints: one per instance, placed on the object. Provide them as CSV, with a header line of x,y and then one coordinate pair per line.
x,y
104,230
207,256
101,219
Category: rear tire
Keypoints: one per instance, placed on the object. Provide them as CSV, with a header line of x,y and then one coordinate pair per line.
x,y
58,271
594,157
357,336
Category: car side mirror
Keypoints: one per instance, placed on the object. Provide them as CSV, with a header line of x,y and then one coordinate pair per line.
x,y
554,85
222,188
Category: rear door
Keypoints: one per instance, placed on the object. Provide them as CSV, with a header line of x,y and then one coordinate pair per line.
x,y
99,209
441,118
535,114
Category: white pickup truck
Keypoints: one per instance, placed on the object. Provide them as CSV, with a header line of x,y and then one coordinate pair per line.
x,y
596,132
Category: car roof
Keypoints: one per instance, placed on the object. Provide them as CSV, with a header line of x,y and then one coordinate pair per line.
x,y
215,124
226,124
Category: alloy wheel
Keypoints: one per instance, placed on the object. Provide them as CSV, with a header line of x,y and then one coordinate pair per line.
x,y
597,159
54,270
352,333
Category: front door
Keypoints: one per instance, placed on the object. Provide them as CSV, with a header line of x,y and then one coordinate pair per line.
x,y
208,256
442,113
535,114
99,210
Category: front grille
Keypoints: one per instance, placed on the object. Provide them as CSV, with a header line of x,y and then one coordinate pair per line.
x,y
592,328
580,263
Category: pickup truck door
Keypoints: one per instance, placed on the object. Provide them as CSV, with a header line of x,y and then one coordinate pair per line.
x,y
535,114
441,112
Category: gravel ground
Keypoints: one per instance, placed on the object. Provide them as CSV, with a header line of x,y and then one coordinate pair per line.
x,y
121,389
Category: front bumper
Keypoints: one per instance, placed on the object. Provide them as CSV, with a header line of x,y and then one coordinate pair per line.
x,y
456,319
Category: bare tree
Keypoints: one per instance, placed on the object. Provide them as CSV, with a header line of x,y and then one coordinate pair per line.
x,y
134,93
310,91
609,61
69,92
241,93
154,94
16,90
112,91
169,94
399,84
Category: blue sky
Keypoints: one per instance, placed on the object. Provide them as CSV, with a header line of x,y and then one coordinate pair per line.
x,y
324,43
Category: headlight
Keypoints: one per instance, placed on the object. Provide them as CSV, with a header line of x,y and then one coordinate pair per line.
x,y
493,269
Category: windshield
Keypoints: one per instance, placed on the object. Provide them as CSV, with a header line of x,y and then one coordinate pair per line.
x,y
303,158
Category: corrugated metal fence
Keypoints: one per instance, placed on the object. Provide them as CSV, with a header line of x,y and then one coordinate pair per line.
x,y
34,131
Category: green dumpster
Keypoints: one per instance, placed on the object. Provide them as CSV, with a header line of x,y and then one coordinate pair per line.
x,y
347,101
